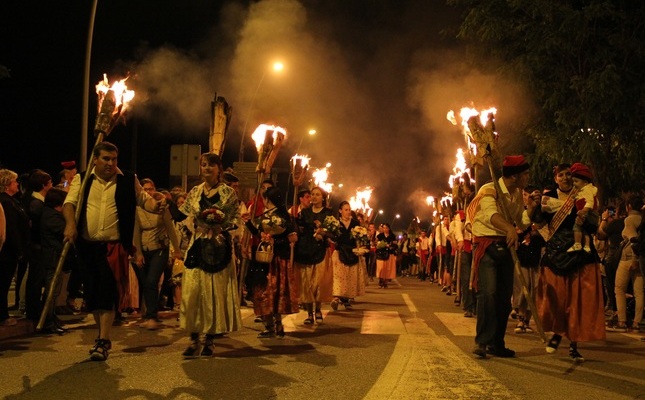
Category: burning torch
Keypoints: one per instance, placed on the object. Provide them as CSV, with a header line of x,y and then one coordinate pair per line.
x,y
113,102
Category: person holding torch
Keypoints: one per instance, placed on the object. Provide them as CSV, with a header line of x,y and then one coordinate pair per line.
x,y
103,236
493,264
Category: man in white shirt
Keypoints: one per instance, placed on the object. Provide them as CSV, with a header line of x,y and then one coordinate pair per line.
x,y
103,236
492,261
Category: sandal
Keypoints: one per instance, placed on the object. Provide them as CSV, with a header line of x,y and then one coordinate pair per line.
x,y
100,350
191,351
553,344
207,350
319,315
309,320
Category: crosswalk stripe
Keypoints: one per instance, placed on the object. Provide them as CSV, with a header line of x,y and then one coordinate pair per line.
x,y
457,323
382,323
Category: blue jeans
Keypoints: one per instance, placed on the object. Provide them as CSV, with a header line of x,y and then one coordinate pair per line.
x,y
494,295
155,263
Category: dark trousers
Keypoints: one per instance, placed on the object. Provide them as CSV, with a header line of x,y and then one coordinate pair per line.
x,y
370,261
467,295
8,266
35,284
101,292
494,296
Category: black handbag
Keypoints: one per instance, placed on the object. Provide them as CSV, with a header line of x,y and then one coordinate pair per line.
x,y
382,254
347,256
556,257
210,255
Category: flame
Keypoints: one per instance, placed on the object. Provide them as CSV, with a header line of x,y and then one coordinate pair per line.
x,y
430,200
122,95
259,135
465,114
360,202
320,176
302,160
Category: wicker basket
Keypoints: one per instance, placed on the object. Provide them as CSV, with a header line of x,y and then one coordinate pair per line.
x,y
264,253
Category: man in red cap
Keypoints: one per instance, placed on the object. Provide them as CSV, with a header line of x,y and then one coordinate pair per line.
x,y
67,174
586,204
493,265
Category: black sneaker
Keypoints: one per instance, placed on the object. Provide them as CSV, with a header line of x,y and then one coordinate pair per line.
x,y
480,351
575,356
500,351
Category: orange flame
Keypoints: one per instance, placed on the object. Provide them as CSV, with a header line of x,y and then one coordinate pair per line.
x,y
465,114
320,176
259,134
360,202
122,95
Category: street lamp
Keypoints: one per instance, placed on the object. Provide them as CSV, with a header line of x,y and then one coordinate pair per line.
x,y
277,67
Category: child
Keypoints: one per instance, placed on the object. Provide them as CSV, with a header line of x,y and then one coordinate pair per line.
x,y
586,204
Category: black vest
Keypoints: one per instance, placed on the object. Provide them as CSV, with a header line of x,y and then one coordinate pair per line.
x,y
125,198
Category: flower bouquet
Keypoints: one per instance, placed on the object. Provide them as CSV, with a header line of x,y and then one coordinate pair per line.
x,y
212,216
330,225
360,234
273,224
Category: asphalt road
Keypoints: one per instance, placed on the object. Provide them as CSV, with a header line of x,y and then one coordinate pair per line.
x,y
405,342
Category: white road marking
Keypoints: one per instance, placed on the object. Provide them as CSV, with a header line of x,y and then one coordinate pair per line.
x,y
458,324
424,365
408,301
382,323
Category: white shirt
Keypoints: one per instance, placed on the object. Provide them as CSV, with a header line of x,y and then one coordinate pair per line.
x,y
482,225
101,214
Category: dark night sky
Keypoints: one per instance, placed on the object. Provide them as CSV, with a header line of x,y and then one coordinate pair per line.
x,y
375,78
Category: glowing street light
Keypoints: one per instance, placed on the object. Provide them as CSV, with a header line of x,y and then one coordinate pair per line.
x,y
276,67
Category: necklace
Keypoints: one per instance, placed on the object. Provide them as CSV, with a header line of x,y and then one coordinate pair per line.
x,y
209,190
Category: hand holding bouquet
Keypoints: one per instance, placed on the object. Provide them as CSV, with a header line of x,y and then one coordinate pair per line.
x,y
360,234
212,216
273,224
330,225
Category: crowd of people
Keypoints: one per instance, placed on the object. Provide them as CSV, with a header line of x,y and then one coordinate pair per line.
x,y
511,250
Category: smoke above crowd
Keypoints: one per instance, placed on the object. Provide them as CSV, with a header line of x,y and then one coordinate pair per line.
x,y
374,79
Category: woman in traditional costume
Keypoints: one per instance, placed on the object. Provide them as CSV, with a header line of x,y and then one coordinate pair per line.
x,y
385,256
570,295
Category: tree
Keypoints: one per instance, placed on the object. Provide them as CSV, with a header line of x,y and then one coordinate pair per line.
x,y
585,65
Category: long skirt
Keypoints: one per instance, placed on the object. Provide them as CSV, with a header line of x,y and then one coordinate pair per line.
x,y
349,281
209,302
572,305
316,281
280,294
386,269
